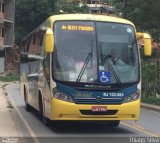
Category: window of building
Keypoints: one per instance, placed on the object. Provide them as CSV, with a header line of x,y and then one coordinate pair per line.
x,y
88,1
94,11
0,6
95,2
3,7
2,53
2,32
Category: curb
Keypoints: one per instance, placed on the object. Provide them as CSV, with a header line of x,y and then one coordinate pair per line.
x,y
150,107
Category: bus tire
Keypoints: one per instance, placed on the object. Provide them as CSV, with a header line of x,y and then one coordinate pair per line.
x,y
113,123
45,120
28,108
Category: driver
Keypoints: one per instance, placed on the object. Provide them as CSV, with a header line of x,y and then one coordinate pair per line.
x,y
116,58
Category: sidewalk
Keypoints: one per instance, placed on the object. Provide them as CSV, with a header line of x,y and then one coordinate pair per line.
x,y
11,124
7,125
150,107
12,127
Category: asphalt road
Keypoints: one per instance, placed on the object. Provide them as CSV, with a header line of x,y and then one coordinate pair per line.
x,y
76,132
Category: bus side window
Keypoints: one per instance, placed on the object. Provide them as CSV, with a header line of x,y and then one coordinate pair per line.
x,y
46,68
28,42
41,39
34,38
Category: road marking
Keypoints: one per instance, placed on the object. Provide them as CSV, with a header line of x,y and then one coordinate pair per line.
x,y
139,128
23,119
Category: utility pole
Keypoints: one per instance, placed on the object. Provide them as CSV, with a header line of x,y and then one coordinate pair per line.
x,y
5,52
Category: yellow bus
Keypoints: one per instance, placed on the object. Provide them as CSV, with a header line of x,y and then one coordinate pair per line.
x,y
83,67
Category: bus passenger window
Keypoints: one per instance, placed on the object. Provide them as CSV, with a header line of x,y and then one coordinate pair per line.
x,y
46,67
34,38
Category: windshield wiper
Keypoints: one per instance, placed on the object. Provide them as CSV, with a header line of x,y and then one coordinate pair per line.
x,y
105,61
89,56
112,69
84,67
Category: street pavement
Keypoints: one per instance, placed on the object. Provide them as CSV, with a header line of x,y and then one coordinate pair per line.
x,y
150,107
8,116
31,126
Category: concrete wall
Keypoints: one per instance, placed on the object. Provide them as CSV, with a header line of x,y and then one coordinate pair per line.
x,y
9,33
9,10
9,22
1,65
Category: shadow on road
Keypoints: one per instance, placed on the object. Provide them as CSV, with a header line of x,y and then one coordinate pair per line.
x,y
82,127
86,128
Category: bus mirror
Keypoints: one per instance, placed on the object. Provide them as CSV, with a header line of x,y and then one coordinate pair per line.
x,y
49,41
147,44
139,35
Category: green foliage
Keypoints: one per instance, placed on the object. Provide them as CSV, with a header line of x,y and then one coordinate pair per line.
x,y
151,78
143,13
30,14
148,77
71,7
150,100
9,77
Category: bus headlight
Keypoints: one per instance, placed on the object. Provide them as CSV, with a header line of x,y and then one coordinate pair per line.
x,y
62,96
133,97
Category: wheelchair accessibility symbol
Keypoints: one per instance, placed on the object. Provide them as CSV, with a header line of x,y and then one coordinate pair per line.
x,y
104,77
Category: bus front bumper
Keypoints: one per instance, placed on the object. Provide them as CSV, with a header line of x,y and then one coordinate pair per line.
x,y
61,110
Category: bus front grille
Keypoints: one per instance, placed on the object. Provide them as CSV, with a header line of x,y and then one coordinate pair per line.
x,y
98,101
89,112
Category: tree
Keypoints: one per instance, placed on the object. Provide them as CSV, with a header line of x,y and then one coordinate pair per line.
x,y
30,14
71,7
144,14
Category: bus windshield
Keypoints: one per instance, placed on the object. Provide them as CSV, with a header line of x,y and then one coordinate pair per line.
x,y
95,52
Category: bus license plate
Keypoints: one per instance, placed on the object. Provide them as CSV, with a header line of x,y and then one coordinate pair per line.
x,y
99,108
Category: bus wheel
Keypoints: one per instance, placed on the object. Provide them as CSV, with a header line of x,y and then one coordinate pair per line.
x,y
113,123
28,108
45,120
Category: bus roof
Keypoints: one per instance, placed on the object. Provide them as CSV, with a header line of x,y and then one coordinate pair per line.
x,y
91,17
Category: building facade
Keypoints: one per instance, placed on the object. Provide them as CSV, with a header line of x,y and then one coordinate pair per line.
x,y
7,12
97,6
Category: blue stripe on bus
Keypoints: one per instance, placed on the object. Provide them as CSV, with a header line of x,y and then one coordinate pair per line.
x,y
80,95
